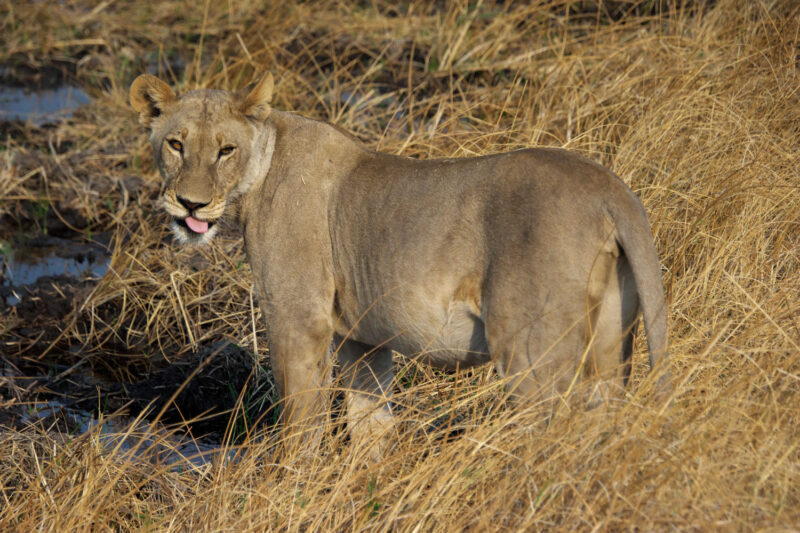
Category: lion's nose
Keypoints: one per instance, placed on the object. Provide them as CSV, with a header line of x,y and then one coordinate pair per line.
x,y
191,206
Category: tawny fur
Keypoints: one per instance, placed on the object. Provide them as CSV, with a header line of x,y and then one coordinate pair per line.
x,y
538,260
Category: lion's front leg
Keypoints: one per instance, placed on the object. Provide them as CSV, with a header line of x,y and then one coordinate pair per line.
x,y
295,286
299,354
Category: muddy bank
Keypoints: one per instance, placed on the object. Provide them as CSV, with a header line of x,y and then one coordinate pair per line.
x,y
197,393
44,280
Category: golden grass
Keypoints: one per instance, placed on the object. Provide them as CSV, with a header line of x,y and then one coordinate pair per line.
x,y
698,110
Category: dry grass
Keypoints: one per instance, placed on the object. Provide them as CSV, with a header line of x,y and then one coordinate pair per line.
x,y
698,110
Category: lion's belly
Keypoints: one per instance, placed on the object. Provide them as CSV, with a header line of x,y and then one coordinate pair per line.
x,y
445,336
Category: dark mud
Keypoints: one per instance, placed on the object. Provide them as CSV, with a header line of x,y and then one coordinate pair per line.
x,y
43,281
200,404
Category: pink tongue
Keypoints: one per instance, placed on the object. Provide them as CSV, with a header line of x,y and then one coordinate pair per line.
x,y
197,226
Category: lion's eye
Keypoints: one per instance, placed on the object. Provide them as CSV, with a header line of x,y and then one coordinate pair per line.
x,y
226,150
176,145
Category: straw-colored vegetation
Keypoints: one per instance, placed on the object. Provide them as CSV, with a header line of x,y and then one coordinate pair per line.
x,y
696,107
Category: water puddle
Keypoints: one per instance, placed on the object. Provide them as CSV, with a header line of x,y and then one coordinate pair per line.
x,y
41,106
136,439
24,264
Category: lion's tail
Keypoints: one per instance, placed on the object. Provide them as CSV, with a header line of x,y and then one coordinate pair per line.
x,y
635,239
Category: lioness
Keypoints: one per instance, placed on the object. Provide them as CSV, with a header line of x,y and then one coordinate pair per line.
x,y
537,260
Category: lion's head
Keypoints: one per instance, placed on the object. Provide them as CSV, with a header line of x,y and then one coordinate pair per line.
x,y
210,147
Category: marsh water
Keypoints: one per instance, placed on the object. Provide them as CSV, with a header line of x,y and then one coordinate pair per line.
x,y
135,439
40,106
25,262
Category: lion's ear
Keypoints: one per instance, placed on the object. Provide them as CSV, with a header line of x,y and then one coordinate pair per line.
x,y
149,96
256,105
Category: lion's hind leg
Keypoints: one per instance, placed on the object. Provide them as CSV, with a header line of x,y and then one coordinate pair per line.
x,y
611,331
535,338
564,328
